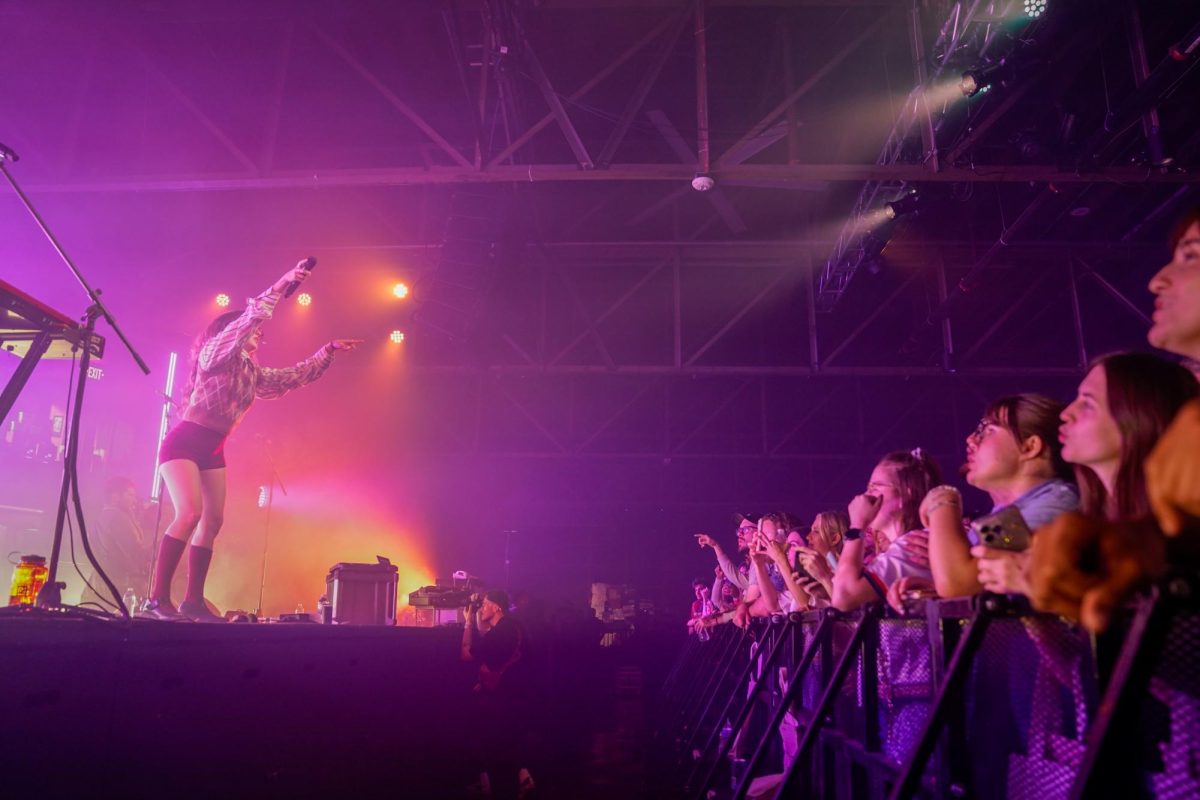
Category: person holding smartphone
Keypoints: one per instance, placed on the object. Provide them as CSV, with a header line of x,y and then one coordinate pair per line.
x,y
1014,455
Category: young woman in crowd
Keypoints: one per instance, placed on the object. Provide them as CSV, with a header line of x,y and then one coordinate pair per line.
x,y
820,558
1124,404
1015,456
783,557
887,510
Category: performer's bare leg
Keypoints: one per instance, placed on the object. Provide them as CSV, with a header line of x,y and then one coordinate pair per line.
x,y
182,479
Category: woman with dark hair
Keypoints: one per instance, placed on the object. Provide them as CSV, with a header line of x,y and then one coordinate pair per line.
x,y
224,382
1014,455
1125,403
887,510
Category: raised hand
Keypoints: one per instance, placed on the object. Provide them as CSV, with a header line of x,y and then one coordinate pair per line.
x,y
940,497
814,563
297,273
345,344
863,510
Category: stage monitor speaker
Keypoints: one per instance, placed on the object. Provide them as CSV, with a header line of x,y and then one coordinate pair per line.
x,y
363,594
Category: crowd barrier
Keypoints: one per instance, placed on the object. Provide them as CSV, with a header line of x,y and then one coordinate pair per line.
x,y
976,697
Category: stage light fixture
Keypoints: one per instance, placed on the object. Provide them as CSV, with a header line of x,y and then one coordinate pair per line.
x,y
904,205
397,337
1035,8
400,290
979,79
222,300
305,299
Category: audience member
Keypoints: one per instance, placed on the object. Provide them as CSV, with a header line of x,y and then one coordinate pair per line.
x,y
820,558
888,510
1015,456
119,543
747,526
1124,404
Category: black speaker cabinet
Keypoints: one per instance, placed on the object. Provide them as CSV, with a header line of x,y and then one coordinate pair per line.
x,y
363,594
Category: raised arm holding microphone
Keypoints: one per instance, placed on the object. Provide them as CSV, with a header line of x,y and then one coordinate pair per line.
x,y
224,381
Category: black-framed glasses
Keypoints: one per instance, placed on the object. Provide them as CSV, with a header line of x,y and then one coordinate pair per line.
x,y
982,428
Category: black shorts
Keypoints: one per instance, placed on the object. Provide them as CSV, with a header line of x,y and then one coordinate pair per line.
x,y
196,443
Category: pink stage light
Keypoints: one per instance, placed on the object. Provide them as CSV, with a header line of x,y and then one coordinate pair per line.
x,y
397,337
222,300
305,299
400,290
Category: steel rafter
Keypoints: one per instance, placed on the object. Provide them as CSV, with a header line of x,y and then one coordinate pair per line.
x,y
839,270
558,173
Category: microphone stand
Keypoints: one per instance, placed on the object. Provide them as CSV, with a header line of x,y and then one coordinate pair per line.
x,y
50,595
262,580
508,560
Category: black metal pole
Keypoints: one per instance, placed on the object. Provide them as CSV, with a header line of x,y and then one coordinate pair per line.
x,y
795,682
949,695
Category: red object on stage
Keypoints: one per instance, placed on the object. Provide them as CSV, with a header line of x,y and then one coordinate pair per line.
x,y
363,594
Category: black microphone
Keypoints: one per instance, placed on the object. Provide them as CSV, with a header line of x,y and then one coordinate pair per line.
x,y
308,265
7,152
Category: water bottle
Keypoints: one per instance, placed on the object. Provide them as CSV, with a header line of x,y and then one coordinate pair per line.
x,y
130,600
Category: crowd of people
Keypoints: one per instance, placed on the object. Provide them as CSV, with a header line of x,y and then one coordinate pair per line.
x,y
1092,499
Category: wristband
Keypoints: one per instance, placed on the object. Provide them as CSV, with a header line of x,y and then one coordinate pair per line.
x,y
852,534
941,504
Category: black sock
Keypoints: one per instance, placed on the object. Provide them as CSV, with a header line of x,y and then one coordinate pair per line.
x,y
198,560
170,550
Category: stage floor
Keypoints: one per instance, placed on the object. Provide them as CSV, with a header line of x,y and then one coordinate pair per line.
x,y
271,710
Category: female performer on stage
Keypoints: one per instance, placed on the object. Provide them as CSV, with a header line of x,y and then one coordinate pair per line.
x,y
224,381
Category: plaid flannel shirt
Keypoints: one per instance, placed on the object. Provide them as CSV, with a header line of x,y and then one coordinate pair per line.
x,y
228,380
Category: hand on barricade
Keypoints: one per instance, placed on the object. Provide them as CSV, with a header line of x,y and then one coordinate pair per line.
x,y
909,587
741,616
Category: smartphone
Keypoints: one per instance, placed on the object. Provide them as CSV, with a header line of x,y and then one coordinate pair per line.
x,y
1004,530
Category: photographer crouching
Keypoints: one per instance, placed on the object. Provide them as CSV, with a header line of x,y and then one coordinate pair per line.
x,y
494,640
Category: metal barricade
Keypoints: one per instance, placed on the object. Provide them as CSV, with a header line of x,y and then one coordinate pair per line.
x,y
972,697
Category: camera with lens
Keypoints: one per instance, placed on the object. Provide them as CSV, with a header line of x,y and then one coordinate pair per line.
x,y
1004,530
